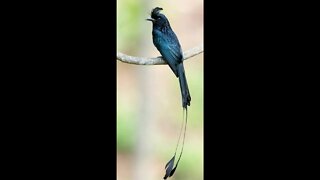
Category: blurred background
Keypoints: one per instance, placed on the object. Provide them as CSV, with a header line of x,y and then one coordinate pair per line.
x,y
149,111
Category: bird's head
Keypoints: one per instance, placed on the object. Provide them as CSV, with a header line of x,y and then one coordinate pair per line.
x,y
157,18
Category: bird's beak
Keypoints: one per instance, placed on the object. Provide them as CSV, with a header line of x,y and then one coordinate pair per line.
x,y
150,19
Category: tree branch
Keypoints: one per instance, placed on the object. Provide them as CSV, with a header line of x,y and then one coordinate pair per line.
x,y
156,61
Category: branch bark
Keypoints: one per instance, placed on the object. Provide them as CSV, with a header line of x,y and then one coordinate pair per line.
x,y
158,60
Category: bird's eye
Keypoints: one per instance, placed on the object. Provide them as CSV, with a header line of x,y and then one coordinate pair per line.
x,y
158,18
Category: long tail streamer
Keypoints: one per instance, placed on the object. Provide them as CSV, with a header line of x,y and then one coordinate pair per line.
x,y
169,166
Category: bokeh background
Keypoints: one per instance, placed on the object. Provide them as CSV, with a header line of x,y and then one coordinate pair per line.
x,y
149,112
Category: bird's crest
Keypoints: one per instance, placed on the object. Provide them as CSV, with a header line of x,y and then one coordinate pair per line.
x,y
155,12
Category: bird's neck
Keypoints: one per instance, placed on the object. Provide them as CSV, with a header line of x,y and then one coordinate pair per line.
x,y
165,28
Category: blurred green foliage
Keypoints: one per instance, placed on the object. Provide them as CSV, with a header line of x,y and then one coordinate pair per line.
x,y
128,23
127,34
125,127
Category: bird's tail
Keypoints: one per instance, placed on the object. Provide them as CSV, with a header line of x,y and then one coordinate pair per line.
x,y
186,98
169,166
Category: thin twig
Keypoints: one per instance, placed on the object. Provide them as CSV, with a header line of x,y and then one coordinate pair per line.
x,y
156,61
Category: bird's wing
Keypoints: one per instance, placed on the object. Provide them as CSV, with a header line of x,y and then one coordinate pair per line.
x,y
171,52
175,47
171,57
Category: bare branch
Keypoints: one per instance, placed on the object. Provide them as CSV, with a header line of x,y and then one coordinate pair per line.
x,y
156,61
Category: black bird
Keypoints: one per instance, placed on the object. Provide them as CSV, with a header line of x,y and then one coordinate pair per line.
x,y
169,47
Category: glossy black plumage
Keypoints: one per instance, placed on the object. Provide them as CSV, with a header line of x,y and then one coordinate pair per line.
x,y
169,47
167,43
